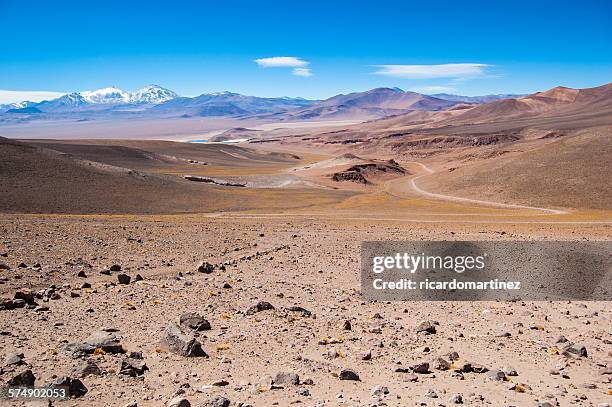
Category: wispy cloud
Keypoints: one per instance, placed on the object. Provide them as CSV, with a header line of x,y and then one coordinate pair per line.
x,y
12,96
302,72
281,62
432,71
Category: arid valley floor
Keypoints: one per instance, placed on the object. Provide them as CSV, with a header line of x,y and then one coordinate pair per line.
x,y
278,222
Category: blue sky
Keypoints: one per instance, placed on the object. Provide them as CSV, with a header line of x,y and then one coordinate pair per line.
x,y
468,47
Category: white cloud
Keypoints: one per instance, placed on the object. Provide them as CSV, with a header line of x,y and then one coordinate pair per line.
x,y
281,62
12,96
431,71
302,72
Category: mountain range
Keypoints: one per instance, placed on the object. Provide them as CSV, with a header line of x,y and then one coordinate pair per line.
x,y
156,101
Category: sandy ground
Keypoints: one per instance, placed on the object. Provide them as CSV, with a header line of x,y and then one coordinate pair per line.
x,y
289,261
287,247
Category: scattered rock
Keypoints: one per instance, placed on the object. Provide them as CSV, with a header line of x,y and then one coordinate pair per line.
x,y
283,378
123,278
456,399
260,306
510,371
217,401
132,367
115,267
379,391
348,374
76,388
14,359
24,378
347,325
86,368
176,342
575,349
179,402
106,342
497,375
431,394
191,320
421,367
301,310
441,364
427,327
206,267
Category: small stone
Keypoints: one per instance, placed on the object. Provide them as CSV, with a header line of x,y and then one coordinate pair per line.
x,y
218,401
206,267
301,310
348,374
379,391
421,367
431,394
282,378
456,399
132,367
179,402
123,278
260,306
453,356
427,327
176,342
14,359
191,320
497,375
81,274
575,349
86,368
561,339
220,383
366,355
347,325
115,267
106,341
441,364
76,388
25,378
510,371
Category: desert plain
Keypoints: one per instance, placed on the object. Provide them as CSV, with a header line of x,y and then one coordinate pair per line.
x,y
146,272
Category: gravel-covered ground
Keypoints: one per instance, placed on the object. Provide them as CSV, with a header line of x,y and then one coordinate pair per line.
x,y
280,356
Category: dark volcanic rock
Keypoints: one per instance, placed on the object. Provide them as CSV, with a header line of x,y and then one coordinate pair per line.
x,y
218,401
106,341
347,374
132,367
123,278
206,267
25,378
177,342
260,306
76,388
86,368
191,320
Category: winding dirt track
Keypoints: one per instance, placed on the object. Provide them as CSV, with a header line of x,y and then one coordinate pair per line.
x,y
400,188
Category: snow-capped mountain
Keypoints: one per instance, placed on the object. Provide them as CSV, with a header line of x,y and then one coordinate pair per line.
x,y
152,94
17,105
106,96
